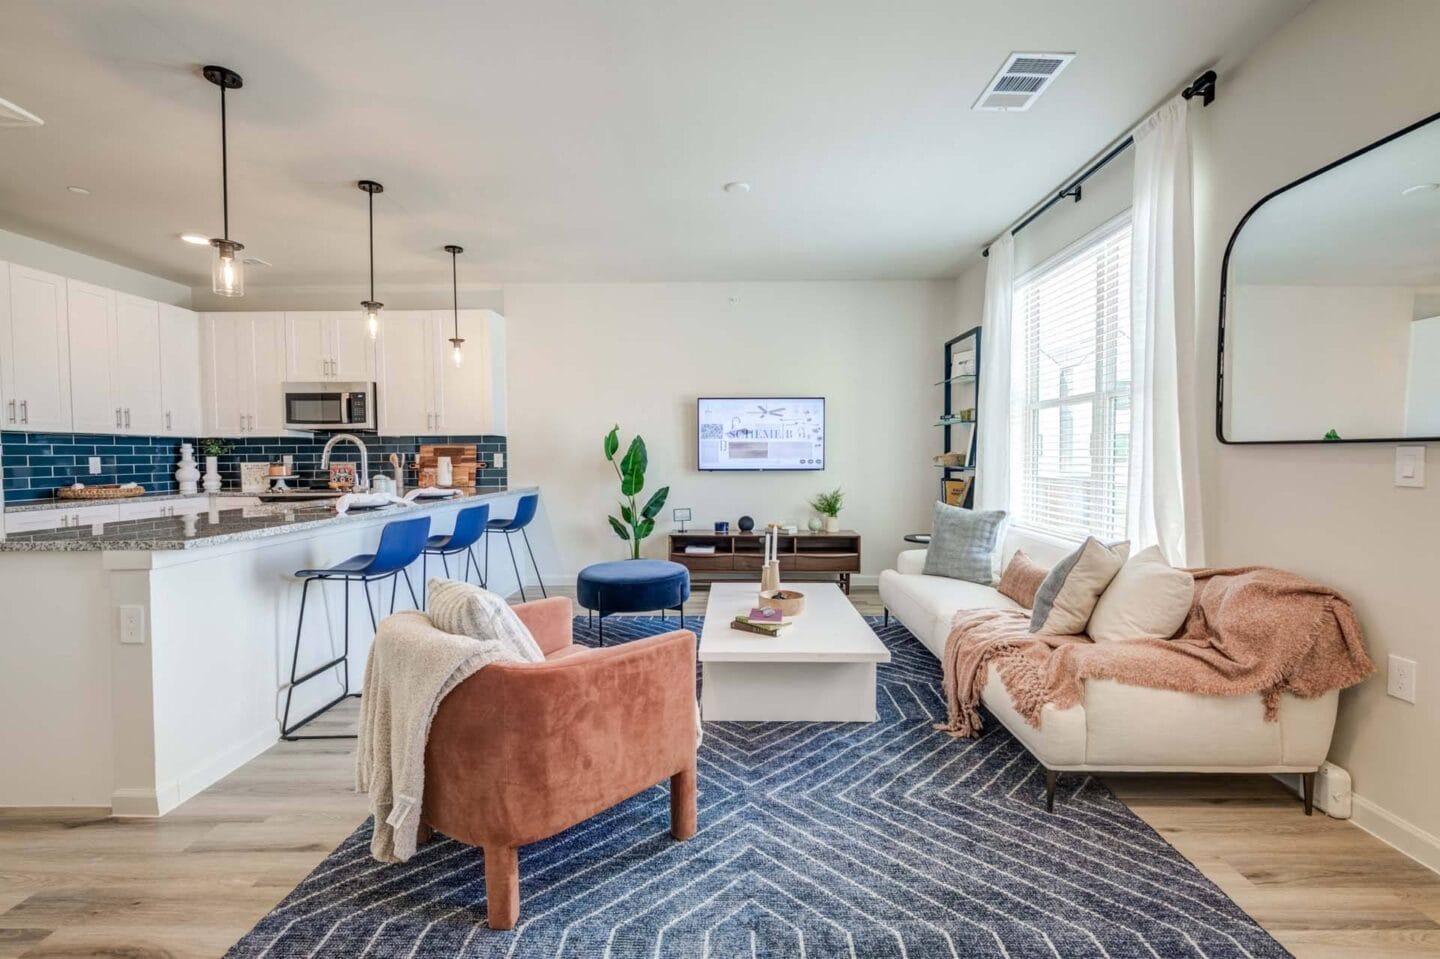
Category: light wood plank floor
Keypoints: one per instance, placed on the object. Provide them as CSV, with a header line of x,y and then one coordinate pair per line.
x,y
79,883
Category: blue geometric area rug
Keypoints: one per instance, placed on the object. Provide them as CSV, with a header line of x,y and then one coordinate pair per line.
x,y
886,839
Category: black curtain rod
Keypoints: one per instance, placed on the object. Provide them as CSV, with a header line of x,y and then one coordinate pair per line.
x,y
1203,87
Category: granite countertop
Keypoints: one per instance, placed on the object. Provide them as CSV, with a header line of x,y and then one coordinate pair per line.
x,y
218,526
58,503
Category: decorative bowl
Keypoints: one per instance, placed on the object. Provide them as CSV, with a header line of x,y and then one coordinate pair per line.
x,y
790,602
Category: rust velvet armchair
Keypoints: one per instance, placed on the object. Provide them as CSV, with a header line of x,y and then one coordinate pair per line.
x,y
521,751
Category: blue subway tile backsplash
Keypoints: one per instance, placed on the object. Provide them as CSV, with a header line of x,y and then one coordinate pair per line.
x,y
34,465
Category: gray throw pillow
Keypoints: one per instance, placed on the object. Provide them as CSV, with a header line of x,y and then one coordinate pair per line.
x,y
1068,596
962,543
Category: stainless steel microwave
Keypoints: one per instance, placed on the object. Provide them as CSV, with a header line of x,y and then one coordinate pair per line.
x,y
329,406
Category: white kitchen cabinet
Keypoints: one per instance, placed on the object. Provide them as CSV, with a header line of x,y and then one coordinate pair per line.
x,y
35,352
408,375
135,364
243,367
62,517
180,402
334,346
464,403
93,402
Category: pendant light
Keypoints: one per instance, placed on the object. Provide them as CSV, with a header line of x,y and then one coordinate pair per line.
x,y
455,340
227,275
371,307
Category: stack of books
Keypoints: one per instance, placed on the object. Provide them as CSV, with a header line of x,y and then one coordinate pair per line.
x,y
765,621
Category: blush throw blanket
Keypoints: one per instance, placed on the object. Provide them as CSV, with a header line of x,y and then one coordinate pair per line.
x,y
1250,630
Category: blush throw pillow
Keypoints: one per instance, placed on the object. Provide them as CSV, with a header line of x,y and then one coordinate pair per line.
x,y
1021,579
466,610
962,544
1068,595
1147,599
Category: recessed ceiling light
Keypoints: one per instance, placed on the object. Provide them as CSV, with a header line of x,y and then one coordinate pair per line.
x,y
198,239
1420,188
737,186
78,190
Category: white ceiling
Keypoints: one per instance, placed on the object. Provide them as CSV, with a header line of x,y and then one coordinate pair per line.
x,y
573,141
1352,225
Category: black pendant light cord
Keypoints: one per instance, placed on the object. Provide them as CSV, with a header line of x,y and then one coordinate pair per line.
x,y
455,291
372,245
224,167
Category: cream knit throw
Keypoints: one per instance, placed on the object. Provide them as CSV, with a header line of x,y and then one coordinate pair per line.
x,y
412,666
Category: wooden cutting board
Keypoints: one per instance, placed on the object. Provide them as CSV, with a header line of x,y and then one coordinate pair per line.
x,y
464,461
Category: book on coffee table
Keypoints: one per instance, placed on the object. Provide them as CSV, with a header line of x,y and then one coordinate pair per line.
x,y
745,623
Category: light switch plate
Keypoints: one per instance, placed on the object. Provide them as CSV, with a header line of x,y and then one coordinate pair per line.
x,y
1400,678
132,625
94,466
499,459
1410,466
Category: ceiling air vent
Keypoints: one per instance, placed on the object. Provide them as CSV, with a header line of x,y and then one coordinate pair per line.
x,y
16,116
1021,80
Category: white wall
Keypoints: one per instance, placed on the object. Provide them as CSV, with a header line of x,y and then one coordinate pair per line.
x,y
436,295
1422,391
38,255
583,357
1306,359
1337,77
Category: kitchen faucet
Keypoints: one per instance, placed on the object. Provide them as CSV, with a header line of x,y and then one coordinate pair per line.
x,y
364,457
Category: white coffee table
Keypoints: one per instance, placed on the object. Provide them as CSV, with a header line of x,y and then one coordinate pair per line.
x,y
821,668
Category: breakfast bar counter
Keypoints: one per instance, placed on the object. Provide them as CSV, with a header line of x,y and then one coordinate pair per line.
x,y
143,660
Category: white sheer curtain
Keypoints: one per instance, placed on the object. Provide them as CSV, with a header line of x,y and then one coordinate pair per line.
x,y
992,446
1164,496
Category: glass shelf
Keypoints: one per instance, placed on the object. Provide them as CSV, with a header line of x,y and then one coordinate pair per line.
x,y
962,378
956,423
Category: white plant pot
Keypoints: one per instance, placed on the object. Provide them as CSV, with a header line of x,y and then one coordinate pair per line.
x,y
187,474
212,474
832,524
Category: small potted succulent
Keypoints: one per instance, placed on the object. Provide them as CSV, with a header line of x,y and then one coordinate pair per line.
x,y
828,505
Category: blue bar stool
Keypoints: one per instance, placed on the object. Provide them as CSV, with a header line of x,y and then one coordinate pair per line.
x,y
470,525
401,544
524,513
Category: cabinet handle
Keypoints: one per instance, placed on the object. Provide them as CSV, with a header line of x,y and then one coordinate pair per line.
x,y
127,417
12,411
24,411
167,420
252,422
242,421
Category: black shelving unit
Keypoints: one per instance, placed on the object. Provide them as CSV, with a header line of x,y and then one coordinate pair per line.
x,y
960,384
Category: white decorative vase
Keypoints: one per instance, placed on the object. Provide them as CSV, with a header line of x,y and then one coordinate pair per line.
x,y
832,524
816,525
212,474
188,474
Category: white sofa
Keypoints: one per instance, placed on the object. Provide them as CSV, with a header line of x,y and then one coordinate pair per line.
x,y
1119,728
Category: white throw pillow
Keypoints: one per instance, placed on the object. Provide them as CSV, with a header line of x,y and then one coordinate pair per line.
x,y
1147,599
466,610
1068,595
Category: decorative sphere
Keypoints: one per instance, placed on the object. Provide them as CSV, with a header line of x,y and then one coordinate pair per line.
x,y
746,524
815,524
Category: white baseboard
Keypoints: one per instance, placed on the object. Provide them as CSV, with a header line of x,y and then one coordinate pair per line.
x,y
1419,845
197,779
134,802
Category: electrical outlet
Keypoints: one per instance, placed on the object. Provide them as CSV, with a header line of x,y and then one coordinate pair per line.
x,y
1400,678
94,466
499,459
1410,466
132,625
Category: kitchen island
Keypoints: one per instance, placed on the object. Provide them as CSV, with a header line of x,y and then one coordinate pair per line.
x,y
143,660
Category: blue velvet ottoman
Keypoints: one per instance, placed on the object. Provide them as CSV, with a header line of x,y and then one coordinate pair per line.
x,y
633,586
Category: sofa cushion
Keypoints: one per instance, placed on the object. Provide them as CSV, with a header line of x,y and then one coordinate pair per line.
x,y
1021,579
962,544
927,604
1147,599
1072,588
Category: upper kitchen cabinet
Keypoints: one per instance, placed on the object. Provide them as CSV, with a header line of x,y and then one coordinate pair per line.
x,y
242,371
465,400
114,361
135,371
34,351
328,346
422,392
180,393
408,387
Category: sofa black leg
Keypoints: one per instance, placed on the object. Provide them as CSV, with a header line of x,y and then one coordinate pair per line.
x,y
887,616
1307,787
1050,777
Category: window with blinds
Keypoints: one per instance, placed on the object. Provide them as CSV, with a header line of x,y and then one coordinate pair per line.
x,y
1070,409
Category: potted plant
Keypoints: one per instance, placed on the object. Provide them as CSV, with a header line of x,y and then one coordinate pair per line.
x,y
828,505
634,524
213,448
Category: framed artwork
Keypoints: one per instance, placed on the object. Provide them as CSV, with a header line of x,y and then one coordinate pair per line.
x,y
954,491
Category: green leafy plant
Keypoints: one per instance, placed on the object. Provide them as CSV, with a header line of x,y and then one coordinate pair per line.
x,y
214,446
828,504
635,523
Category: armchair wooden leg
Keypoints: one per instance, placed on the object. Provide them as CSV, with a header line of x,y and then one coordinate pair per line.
x,y
502,886
682,804
1307,782
423,833
1050,777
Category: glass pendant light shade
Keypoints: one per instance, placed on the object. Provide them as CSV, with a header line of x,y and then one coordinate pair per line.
x,y
372,317
227,276
455,354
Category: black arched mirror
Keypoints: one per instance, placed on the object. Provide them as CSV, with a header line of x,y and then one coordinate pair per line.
x,y
1330,303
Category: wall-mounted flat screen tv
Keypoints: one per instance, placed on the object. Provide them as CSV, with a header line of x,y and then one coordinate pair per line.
x,y
740,433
